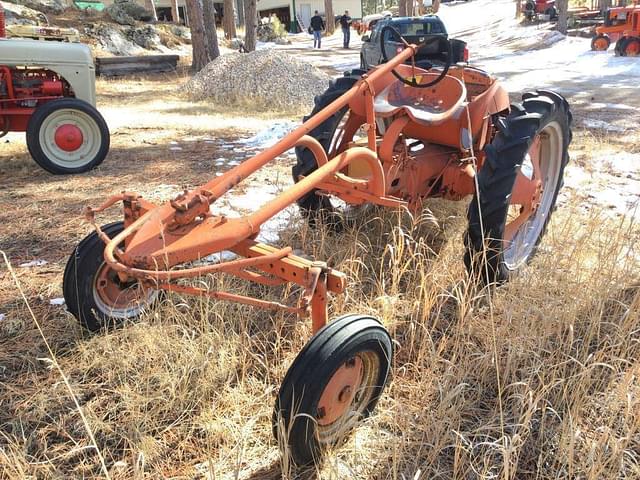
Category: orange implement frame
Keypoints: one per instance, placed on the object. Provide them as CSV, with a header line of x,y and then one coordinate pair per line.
x,y
158,238
159,243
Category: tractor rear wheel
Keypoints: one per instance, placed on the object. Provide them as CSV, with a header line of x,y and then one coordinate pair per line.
x,y
517,186
329,133
600,43
619,47
67,136
93,292
631,47
334,382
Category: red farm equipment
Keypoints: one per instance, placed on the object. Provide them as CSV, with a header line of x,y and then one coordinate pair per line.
x,y
47,89
393,136
616,22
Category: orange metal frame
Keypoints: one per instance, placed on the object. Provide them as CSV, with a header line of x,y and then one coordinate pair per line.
x,y
158,238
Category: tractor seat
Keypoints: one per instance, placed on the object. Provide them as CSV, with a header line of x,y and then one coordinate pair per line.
x,y
426,106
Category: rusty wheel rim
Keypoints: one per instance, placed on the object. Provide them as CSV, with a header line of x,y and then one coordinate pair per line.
x,y
120,300
533,196
600,44
346,396
632,49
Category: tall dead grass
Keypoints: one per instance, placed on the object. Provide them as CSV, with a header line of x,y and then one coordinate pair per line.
x,y
544,384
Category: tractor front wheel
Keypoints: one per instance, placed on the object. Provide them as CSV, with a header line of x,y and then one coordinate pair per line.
x,y
517,186
334,382
94,293
600,43
67,136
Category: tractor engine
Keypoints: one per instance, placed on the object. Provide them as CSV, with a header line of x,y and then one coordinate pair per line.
x,y
27,88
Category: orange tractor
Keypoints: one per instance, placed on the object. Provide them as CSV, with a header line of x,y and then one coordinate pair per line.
x,y
628,45
393,136
616,22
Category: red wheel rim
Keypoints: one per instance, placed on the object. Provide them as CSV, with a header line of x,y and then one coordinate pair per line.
x,y
600,44
68,137
632,49
340,391
112,293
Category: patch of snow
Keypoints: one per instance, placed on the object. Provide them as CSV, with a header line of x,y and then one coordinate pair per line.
x,y
602,125
2,316
270,135
57,301
33,263
175,149
610,106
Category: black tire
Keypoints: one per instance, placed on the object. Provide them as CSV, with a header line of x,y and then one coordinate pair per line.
x,y
296,415
596,39
619,48
363,64
552,12
79,283
51,156
312,204
484,255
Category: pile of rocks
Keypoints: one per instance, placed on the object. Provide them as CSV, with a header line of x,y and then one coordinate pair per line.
x,y
264,79
126,12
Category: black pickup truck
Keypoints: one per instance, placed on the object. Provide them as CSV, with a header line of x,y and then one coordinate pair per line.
x,y
414,30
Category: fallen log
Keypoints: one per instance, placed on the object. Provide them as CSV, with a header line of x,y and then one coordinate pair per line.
x,y
116,66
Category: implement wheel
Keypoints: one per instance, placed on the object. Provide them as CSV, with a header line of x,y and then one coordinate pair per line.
x,y
67,136
517,186
93,292
334,382
600,43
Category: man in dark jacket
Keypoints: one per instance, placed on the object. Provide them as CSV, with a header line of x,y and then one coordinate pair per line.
x,y
345,23
317,25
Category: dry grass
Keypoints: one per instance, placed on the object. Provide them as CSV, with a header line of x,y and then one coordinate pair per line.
x,y
544,384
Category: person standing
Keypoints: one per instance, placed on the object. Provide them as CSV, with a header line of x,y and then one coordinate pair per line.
x,y
317,25
345,23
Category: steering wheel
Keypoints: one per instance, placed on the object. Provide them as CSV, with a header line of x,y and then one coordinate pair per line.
x,y
429,40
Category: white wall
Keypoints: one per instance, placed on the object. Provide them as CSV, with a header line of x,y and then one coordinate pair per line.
x,y
339,6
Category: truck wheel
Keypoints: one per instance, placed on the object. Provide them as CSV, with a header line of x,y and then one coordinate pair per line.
x,y
93,292
67,136
327,133
334,382
517,186
552,12
631,47
600,43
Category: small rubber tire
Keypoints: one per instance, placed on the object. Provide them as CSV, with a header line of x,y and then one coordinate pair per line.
x,y
78,283
45,156
487,213
311,205
295,423
631,47
596,41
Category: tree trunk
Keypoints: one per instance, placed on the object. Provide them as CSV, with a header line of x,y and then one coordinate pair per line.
x,y
250,24
175,13
229,20
435,6
209,15
409,8
198,39
563,17
329,16
151,6
402,8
